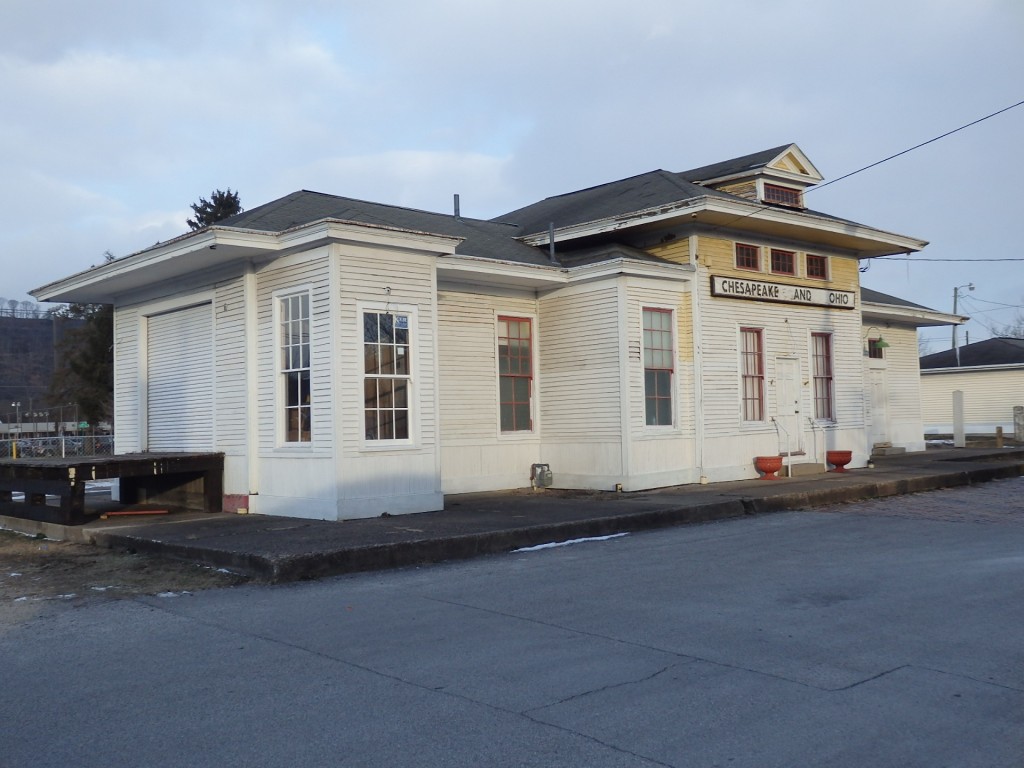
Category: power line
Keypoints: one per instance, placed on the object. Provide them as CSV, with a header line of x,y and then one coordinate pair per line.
x,y
918,146
913,258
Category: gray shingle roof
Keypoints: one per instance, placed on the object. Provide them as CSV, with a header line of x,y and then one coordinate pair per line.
x,y
877,297
481,238
615,198
736,165
998,351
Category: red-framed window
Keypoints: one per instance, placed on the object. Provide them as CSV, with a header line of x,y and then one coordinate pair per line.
x,y
658,367
752,368
783,262
773,193
821,354
387,379
748,257
817,266
515,374
874,350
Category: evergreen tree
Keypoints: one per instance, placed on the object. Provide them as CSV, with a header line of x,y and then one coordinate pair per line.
x,y
85,362
218,207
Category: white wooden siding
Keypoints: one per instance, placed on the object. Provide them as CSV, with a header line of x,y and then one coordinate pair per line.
x,y
989,398
230,377
902,385
475,456
467,365
366,276
659,455
305,270
579,364
127,425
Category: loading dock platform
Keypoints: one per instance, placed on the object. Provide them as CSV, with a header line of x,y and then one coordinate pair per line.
x,y
192,481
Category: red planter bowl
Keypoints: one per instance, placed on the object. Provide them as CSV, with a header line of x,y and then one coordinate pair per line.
x,y
839,459
768,465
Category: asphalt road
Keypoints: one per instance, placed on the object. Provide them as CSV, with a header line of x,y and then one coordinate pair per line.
x,y
889,633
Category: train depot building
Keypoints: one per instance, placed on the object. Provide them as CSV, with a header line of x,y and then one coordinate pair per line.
x,y
352,358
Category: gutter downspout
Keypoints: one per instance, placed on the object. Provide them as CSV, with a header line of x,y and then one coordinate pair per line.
x,y
252,370
698,360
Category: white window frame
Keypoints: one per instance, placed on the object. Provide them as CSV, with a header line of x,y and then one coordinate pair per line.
x,y
672,311
390,444
280,388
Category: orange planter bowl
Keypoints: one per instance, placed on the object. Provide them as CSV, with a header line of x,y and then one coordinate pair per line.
x,y
839,459
768,465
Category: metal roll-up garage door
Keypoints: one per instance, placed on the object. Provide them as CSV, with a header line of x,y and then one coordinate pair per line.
x,y
179,382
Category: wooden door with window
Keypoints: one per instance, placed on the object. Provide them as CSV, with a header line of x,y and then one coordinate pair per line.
x,y
788,408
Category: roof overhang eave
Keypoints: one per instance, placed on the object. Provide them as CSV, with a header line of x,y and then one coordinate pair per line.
x,y
217,247
726,213
919,317
974,369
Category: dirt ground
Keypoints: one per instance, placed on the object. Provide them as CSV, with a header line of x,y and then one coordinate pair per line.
x,y
35,571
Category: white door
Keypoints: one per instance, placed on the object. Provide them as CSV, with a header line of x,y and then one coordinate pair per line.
x,y
788,409
179,380
878,409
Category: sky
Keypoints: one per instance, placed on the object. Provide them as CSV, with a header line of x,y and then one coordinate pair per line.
x,y
115,116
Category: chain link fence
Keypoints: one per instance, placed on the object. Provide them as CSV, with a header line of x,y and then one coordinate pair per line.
x,y
52,447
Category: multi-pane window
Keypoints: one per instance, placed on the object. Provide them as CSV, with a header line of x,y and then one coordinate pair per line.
x,y
821,353
875,349
773,193
658,366
783,262
817,266
748,257
295,366
387,381
515,374
752,368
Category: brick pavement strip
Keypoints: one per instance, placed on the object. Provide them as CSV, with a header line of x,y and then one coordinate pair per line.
x,y
1001,501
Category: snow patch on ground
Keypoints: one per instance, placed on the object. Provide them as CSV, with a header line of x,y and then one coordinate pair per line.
x,y
554,544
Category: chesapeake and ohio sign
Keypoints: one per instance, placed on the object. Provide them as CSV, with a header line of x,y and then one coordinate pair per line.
x,y
758,290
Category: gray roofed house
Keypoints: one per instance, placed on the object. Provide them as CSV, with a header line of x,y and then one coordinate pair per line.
x,y
990,352
990,377
351,358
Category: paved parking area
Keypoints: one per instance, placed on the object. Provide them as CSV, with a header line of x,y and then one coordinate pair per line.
x,y
883,634
999,502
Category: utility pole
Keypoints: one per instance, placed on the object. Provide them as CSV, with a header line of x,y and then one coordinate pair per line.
x,y
956,295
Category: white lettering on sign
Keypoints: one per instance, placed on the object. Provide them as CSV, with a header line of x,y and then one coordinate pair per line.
x,y
759,290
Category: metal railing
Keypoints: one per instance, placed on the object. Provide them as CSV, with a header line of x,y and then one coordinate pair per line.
x,y
55,447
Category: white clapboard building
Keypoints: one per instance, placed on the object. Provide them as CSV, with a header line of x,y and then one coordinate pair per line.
x,y
351,358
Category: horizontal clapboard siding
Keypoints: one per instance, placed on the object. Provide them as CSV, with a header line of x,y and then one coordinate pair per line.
x,y
787,333
467,365
989,397
127,427
230,380
580,391
679,303
902,374
366,275
303,270
179,379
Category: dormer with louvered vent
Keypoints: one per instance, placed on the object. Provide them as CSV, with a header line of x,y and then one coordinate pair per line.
x,y
777,176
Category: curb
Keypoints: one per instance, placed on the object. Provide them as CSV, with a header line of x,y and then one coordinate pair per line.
x,y
289,568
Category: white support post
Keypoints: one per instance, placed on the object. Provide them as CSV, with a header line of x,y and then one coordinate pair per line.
x,y
959,439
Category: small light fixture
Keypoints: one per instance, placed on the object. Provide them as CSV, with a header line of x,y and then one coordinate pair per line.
x,y
874,342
